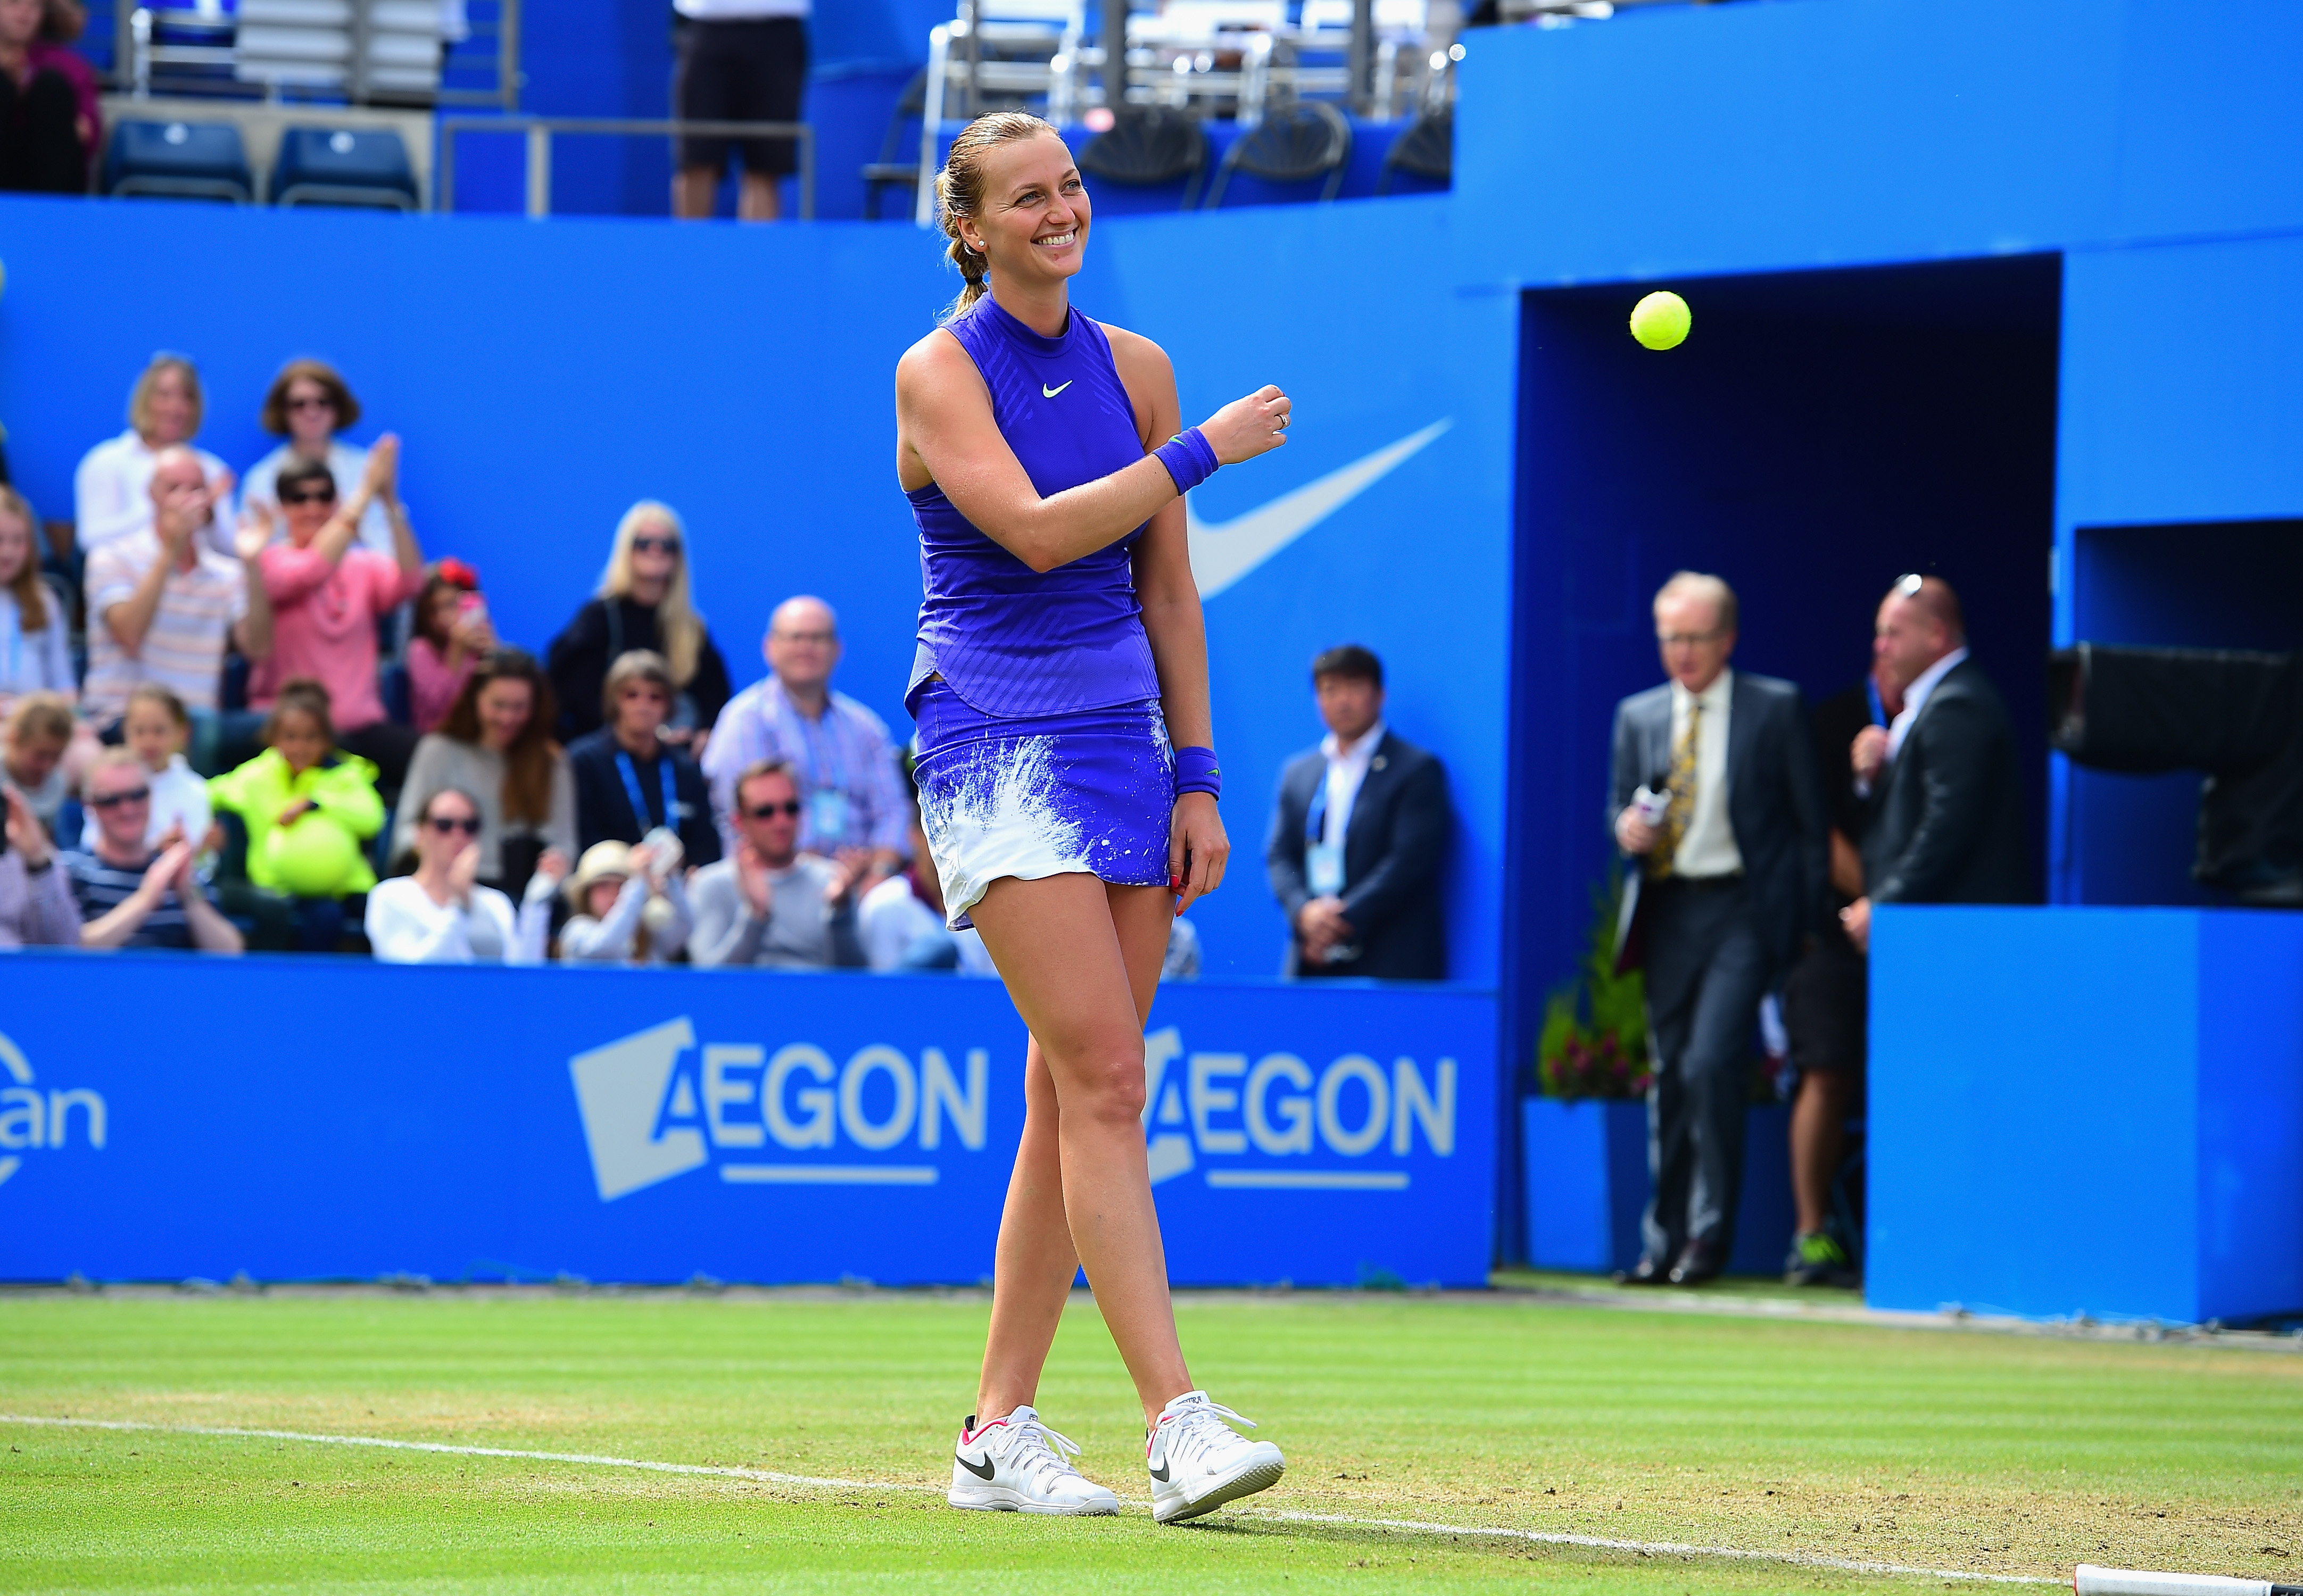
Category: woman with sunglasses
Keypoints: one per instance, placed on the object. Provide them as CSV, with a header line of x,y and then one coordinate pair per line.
x,y
327,594
442,914
1066,785
643,603
309,405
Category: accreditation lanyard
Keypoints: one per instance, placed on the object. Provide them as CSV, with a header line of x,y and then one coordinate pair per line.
x,y
1323,862
1879,716
632,789
827,799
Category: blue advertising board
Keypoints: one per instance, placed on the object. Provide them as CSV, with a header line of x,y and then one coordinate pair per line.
x,y
302,1120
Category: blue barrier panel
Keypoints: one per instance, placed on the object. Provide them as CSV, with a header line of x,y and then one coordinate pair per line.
x,y
2087,1110
325,1119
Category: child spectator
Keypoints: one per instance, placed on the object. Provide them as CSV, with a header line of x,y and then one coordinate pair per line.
x,y
310,405
156,730
443,914
631,906
643,604
307,809
496,744
34,644
628,778
130,893
39,729
451,631
112,496
326,596
37,908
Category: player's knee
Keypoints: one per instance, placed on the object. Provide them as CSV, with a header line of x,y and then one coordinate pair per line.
x,y
1109,1087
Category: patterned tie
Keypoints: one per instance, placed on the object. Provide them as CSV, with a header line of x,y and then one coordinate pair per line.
x,y
1682,793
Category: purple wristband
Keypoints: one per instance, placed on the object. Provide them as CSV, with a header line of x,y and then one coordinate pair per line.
x,y
1190,458
1196,772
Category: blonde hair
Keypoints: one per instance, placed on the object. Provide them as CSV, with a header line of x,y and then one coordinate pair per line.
x,y
139,398
31,592
45,716
1699,585
273,417
959,191
677,625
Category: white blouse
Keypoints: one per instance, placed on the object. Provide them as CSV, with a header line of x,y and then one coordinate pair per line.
x,y
112,493
406,927
34,661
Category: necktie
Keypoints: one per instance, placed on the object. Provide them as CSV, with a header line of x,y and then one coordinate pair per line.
x,y
1683,792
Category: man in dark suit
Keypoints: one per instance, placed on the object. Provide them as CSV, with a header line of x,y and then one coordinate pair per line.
x,y
1941,779
1715,795
1358,836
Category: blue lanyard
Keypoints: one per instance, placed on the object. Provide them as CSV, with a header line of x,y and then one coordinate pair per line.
x,y
809,732
632,789
1315,819
1878,709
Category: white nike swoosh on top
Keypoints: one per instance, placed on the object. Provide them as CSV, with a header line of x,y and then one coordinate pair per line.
x,y
1047,392
1223,553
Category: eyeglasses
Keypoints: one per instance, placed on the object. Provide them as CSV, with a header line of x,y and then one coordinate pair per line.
x,y
126,796
648,545
820,639
1672,640
449,825
311,401
315,496
769,812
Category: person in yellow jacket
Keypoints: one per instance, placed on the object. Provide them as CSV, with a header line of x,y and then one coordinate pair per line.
x,y
310,810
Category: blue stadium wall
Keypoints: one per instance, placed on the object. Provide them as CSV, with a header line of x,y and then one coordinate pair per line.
x,y
2136,156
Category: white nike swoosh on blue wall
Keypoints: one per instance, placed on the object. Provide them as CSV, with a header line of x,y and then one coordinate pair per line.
x,y
1224,551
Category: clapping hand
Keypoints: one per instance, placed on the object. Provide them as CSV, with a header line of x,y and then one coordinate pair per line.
x,y
464,871
166,872
26,834
257,528
382,477
553,866
752,880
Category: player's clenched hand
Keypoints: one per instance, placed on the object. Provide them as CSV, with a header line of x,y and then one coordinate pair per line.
x,y
1197,849
1248,427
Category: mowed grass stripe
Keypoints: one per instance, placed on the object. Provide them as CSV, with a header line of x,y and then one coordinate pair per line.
x,y
1999,1455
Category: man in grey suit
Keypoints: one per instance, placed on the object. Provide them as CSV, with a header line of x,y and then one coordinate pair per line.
x,y
1943,781
1358,836
1715,795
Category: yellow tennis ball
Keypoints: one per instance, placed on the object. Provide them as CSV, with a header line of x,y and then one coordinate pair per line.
x,y
1661,319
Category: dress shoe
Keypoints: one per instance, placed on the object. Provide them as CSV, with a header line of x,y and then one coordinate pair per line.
x,y
1647,1272
1698,1263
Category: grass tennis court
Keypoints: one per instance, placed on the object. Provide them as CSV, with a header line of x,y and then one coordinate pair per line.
x,y
2010,1455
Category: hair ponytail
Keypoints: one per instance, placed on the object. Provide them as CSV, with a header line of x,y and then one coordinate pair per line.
x,y
959,192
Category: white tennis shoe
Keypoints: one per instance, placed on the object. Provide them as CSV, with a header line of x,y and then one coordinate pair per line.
x,y
1198,1462
1017,1465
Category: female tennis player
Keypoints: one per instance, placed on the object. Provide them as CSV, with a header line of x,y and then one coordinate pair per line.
x,y
1067,782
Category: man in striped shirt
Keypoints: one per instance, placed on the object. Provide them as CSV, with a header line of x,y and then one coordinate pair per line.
x,y
161,604
130,893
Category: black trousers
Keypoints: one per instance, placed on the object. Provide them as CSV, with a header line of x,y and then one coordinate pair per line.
x,y
40,151
1706,970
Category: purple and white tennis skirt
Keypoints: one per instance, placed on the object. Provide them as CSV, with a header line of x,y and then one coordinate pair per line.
x,y
1091,791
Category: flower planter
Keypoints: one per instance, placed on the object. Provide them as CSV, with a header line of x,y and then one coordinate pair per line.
x,y
1586,1169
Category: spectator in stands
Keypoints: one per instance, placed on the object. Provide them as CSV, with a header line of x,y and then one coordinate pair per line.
x,y
1942,783
130,892
451,631
326,596
161,607
628,778
631,907
156,730
643,603
443,914
63,21
309,405
35,641
39,729
1358,836
739,61
900,922
767,903
36,899
497,745
112,490
308,810
41,146
852,794
1731,881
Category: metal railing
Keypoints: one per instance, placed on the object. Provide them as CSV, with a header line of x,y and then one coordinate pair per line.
x,y
539,130
195,49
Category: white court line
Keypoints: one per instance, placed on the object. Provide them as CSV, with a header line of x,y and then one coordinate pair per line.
x,y
729,1471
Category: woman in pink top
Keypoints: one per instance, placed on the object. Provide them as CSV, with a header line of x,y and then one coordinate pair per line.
x,y
327,595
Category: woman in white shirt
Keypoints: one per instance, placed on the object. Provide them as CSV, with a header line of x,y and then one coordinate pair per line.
x,y
35,651
309,404
441,915
112,490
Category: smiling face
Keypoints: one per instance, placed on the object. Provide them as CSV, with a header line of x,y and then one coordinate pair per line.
x,y
1033,221
307,506
168,409
767,812
803,643
151,732
311,415
656,555
120,795
504,706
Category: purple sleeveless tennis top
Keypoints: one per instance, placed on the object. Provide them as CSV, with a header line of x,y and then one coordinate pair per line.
x,y
1009,640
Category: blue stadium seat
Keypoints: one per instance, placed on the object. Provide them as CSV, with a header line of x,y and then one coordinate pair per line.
x,y
177,160
343,166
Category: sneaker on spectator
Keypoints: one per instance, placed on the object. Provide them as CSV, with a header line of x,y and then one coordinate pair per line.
x,y
1817,1260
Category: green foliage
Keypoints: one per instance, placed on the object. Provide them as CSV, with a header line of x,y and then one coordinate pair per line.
x,y
1594,1040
